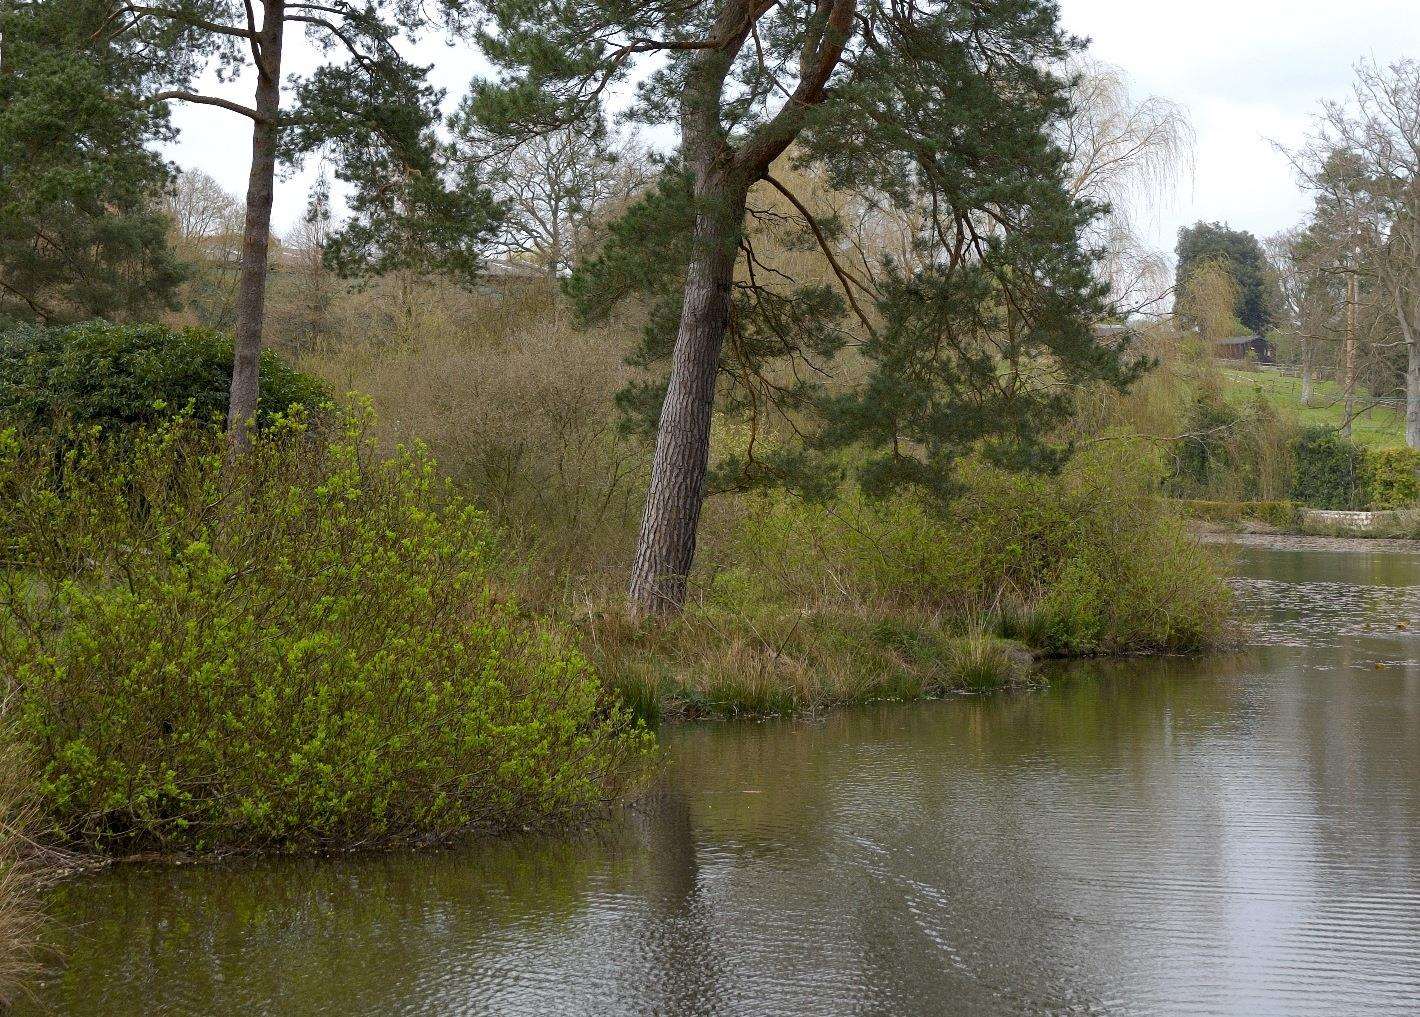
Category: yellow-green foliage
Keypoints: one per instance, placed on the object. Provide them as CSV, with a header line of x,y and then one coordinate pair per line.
x,y
1392,477
1086,561
302,649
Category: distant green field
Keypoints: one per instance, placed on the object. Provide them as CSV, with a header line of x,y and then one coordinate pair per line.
x,y
1381,426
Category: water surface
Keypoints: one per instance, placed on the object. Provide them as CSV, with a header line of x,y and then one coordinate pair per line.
x,y
1233,835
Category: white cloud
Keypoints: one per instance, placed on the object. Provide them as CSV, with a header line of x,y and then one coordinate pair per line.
x,y
1250,72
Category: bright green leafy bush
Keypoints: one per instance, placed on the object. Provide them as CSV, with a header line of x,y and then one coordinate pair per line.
x,y
1392,477
111,377
304,650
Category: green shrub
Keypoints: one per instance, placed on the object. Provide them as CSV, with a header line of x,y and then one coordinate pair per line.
x,y
305,650
1392,477
118,376
1330,471
1231,452
1087,561
1334,472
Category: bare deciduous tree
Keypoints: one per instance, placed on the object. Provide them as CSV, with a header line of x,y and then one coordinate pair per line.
x,y
202,213
1366,152
557,187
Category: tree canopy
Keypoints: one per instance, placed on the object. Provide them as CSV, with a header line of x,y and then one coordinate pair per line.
x,y
935,121
81,230
1259,298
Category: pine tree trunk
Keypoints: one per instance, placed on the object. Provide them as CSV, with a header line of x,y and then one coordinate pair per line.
x,y
261,185
666,547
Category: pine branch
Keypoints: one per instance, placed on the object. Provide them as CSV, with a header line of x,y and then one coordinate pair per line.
x,y
205,100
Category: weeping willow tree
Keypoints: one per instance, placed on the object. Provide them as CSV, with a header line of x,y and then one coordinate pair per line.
x,y
1129,154
943,118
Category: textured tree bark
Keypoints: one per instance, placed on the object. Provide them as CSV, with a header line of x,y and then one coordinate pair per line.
x,y
665,550
1350,353
251,287
1412,393
1308,354
1408,307
722,174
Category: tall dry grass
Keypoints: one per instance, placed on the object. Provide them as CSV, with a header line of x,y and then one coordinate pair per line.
x,y
20,914
517,405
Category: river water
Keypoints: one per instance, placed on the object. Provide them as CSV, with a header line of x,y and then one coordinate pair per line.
x,y
1232,835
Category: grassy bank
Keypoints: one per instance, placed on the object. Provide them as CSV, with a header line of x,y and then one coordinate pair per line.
x,y
718,664
19,871
1379,426
803,606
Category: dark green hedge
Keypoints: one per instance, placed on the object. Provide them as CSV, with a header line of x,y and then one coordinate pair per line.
x,y
1330,470
115,377
1333,472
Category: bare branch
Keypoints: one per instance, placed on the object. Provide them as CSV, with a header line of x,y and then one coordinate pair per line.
x,y
205,100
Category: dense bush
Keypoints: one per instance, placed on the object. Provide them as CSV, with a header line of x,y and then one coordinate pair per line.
x,y
1334,472
1087,561
1230,452
1330,471
116,376
1392,477
304,650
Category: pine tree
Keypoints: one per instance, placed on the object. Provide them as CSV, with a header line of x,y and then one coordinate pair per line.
x,y
936,116
367,106
81,231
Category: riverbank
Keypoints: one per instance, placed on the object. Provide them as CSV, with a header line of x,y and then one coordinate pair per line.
x,y
1025,836
809,606
708,667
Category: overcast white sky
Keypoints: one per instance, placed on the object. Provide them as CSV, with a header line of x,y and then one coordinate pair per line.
x,y
1248,71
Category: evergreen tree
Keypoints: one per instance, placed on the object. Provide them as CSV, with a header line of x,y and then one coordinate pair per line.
x,y
81,230
369,107
938,115
1259,297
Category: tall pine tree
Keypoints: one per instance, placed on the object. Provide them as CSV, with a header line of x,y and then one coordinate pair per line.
x,y
81,233
366,105
938,118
